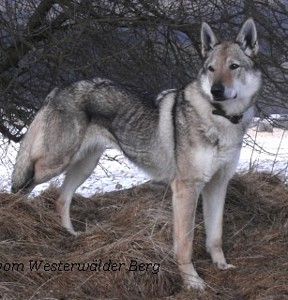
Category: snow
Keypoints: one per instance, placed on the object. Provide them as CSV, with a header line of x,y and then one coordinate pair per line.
x,y
261,151
113,172
265,151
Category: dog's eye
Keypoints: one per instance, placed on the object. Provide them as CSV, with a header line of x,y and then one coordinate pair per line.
x,y
211,69
234,66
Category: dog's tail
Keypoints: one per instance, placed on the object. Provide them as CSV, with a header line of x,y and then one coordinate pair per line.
x,y
48,146
23,172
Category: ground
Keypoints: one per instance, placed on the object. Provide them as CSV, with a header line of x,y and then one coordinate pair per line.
x,y
134,227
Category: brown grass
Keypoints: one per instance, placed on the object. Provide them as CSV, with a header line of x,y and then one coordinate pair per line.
x,y
136,224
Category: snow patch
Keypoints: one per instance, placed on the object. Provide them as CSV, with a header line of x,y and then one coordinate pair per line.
x,y
261,151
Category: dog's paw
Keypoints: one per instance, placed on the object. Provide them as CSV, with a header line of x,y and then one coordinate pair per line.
x,y
72,231
195,283
190,277
225,266
218,258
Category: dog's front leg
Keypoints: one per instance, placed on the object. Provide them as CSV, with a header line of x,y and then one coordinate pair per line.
x,y
213,196
185,198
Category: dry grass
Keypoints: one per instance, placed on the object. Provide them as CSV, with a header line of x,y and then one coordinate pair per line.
x,y
136,224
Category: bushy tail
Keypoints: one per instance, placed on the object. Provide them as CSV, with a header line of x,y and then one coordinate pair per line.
x,y
23,173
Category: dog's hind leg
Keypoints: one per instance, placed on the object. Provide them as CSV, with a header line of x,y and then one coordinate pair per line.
x,y
213,196
49,145
75,176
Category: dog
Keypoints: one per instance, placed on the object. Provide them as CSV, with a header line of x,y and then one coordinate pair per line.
x,y
191,139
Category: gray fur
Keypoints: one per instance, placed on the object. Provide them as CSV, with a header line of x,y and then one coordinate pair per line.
x,y
189,140
247,38
208,39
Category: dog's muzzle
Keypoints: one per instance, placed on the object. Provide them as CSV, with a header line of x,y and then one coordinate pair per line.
x,y
219,94
217,91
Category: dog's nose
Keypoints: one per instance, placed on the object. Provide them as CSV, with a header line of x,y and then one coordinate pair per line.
x,y
217,91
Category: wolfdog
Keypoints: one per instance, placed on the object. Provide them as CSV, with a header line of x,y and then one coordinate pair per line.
x,y
191,139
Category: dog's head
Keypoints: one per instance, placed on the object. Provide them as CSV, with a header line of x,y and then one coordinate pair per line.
x,y
229,75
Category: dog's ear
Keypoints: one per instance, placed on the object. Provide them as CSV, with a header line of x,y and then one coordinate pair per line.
x,y
247,38
208,39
